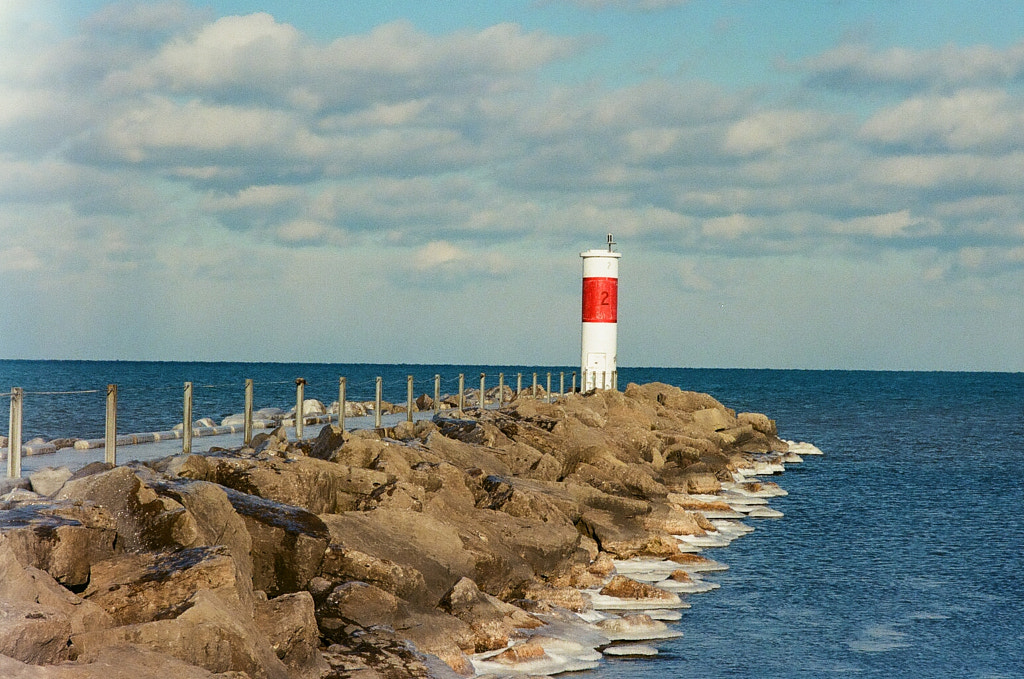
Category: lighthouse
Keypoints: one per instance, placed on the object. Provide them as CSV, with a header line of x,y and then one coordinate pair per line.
x,y
599,355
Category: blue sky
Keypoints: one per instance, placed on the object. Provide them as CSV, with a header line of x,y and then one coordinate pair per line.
x,y
792,184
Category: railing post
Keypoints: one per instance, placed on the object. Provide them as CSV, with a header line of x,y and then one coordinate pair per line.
x,y
376,409
247,436
14,434
561,384
341,403
501,389
437,394
408,399
574,381
110,432
615,380
462,394
519,383
300,401
483,377
535,385
186,432
549,388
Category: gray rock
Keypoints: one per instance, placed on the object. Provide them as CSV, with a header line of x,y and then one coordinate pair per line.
x,y
49,480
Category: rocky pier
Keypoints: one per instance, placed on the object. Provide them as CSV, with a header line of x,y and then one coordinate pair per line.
x,y
529,540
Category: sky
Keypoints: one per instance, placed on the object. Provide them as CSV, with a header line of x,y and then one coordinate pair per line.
x,y
805,184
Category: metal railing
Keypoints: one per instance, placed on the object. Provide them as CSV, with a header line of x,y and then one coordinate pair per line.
x,y
189,429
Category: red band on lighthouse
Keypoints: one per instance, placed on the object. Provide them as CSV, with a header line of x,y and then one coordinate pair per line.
x,y
600,300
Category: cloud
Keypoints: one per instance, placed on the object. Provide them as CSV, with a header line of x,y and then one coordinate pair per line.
x,y
859,67
174,148
989,120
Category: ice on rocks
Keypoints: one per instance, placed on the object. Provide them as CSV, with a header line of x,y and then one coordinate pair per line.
x,y
631,651
764,513
557,656
602,602
637,627
696,586
665,615
804,448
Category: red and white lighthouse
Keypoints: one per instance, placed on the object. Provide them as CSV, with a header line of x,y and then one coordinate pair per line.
x,y
599,355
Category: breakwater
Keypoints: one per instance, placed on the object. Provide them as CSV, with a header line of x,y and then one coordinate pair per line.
x,y
477,538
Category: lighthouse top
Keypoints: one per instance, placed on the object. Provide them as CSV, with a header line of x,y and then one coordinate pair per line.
x,y
602,253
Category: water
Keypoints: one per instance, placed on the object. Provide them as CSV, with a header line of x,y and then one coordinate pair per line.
x,y
900,554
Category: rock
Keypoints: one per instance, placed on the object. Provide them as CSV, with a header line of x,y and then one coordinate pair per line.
x,y
759,422
20,583
412,541
288,543
625,537
7,485
143,519
330,439
341,564
626,588
713,419
137,588
367,606
49,480
216,521
492,620
62,539
313,484
34,633
699,479
289,624
211,633
521,653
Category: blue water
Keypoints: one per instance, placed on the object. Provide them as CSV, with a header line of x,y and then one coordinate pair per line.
x,y
900,554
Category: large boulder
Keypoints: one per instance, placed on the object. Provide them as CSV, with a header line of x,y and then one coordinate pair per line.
x,y
62,538
412,541
144,520
431,630
289,624
212,633
315,485
137,588
492,620
21,583
288,543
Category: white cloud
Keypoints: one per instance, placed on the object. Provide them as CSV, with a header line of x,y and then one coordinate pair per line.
x,y
982,120
174,150
859,66
775,131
